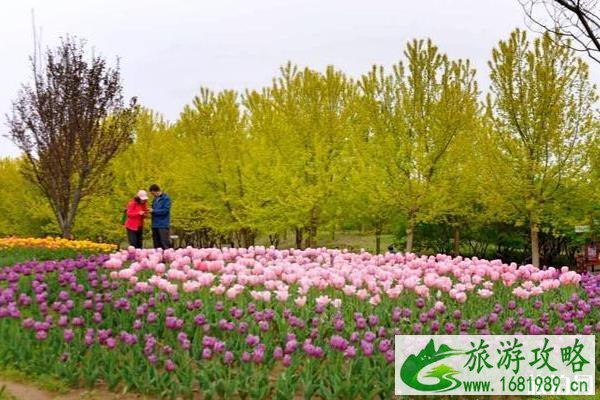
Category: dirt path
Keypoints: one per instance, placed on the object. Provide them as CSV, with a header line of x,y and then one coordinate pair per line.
x,y
23,391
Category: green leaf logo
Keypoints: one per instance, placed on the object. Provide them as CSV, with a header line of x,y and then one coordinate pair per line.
x,y
413,365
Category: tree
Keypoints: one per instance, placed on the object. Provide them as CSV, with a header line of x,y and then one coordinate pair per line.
x,y
214,143
574,22
153,157
415,115
372,195
22,212
306,121
374,173
69,124
542,116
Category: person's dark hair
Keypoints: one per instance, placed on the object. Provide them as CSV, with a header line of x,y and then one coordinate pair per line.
x,y
137,199
154,188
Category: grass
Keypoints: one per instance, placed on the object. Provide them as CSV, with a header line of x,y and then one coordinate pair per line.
x,y
341,240
18,255
43,382
4,395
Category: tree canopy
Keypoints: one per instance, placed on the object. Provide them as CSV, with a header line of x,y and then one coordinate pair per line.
x,y
418,151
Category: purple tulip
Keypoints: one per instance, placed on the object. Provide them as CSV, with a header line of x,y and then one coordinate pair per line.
x,y
263,326
385,345
509,325
228,358
246,357
417,328
252,340
369,336
206,353
41,335
68,335
361,323
338,343
396,314
111,343
366,347
278,353
373,320
350,352
170,365
290,346
151,317
287,360
199,319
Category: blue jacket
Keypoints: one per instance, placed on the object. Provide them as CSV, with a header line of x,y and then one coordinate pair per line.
x,y
161,211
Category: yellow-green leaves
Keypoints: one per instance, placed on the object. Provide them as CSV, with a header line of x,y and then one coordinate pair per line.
x,y
542,116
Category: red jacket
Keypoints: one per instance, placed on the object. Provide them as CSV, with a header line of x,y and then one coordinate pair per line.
x,y
134,220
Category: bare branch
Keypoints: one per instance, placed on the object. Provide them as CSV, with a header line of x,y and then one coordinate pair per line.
x,y
575,23
70,122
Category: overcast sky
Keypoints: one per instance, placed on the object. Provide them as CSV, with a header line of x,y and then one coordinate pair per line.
x,y
169,49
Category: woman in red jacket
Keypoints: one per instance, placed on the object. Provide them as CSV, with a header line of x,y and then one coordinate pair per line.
x,y
137,209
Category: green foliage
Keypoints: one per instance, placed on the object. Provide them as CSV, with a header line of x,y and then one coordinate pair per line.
x,y
23,209
415,119
543,123
409,152
299,128
151,158
212,144
42,381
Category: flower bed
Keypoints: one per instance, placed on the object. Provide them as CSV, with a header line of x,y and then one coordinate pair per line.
x,y
55,243
266,323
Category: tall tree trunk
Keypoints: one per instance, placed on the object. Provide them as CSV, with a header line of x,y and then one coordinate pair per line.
x,y
410,233
67,231
66,226
274,239
73,206
535,244
378,239
299,238
247,237
311,238
456,241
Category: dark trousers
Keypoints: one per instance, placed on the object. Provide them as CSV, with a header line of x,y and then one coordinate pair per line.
x,y
161,238
136,238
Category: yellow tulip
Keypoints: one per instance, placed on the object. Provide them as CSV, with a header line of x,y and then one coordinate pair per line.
x,y
55,243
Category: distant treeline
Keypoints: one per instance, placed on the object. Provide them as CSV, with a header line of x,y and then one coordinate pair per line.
x,y
418,151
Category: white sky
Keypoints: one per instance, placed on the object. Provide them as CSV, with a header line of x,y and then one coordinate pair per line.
x,y
168,49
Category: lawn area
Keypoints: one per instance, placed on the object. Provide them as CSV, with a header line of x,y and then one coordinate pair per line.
x,y
353,241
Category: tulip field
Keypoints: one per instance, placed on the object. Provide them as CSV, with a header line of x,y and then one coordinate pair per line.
x,y
14,250
266,323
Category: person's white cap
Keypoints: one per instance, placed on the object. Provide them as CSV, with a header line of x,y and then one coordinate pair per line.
x,y
142,194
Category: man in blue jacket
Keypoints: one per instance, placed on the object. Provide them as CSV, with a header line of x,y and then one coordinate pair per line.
x,y
161,218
